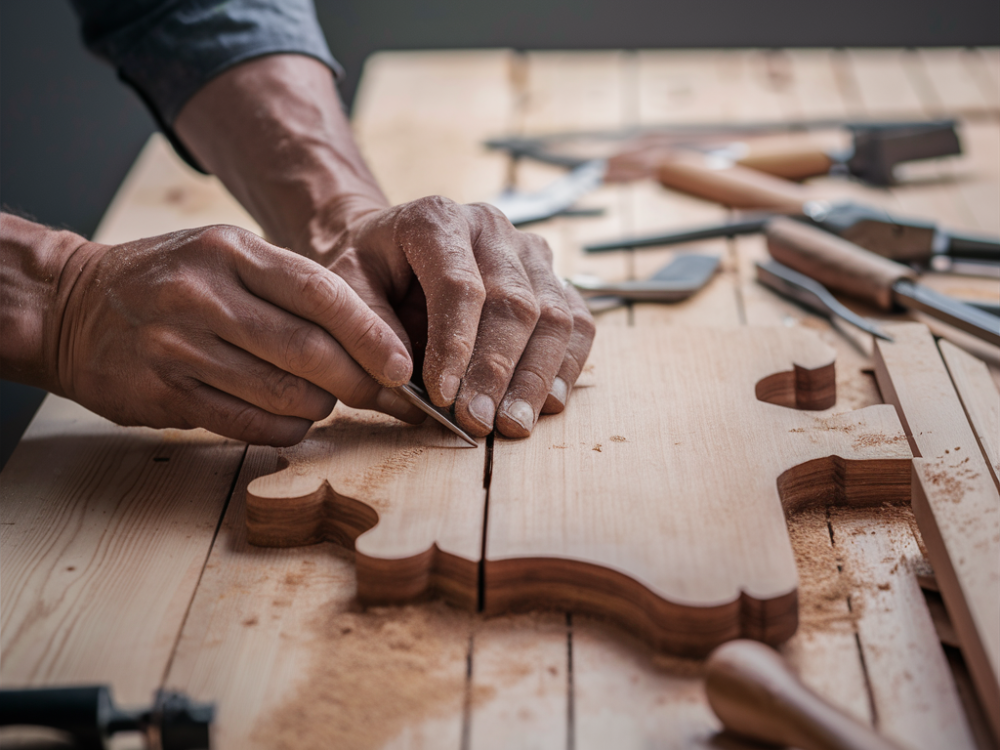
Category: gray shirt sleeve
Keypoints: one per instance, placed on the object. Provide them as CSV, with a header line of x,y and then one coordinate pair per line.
x,y
168,49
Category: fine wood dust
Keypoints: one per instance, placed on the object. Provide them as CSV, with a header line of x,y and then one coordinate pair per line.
x,y
373,673
824,582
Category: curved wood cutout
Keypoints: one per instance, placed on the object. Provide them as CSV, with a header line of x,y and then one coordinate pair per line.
x,y
656,500
409,501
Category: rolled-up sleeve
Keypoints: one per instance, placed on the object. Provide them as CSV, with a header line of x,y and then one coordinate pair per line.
x,y
168,49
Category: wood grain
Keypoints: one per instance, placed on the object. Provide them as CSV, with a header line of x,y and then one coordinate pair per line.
x,y
980,399
105,531
954,498
628,514
409,500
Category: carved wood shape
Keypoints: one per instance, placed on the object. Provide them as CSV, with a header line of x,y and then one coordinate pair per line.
x,y
657,500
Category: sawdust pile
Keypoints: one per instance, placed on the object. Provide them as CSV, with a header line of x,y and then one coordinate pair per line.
x,y
824,583
374,673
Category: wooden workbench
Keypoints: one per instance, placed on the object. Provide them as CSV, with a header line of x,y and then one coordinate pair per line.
x,y
124,554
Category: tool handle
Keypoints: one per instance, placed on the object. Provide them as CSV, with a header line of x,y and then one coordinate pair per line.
x,y
754,693
835,263
735,186
791,163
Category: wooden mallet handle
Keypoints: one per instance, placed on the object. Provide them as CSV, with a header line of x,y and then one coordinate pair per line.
x,y
755,694
836,263
735,186
796,163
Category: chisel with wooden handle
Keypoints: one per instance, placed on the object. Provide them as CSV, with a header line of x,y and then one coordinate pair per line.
x,y
755,694
730,184
845,267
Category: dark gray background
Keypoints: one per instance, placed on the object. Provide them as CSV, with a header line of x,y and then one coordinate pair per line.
x,y
69,130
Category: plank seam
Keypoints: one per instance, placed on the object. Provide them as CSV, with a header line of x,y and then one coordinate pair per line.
x,y
204,564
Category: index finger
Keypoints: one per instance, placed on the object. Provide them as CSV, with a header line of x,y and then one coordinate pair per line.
x,y
310,291
434,235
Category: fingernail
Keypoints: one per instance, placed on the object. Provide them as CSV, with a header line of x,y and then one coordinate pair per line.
x,y
449,387
392,403
559,390
483,409
555,402
522,413
397,369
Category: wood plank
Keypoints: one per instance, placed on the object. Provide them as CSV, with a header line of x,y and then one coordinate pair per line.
x,y
105,531
956,92
276,639
637,526
901,699
980,399
408,499
81,604
919,707
954,499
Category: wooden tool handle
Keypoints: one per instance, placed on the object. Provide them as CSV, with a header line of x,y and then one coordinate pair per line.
x,y
755,694
791,164
735,186
835,263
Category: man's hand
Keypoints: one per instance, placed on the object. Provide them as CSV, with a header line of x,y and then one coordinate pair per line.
x,y
213,328
504,340
499,335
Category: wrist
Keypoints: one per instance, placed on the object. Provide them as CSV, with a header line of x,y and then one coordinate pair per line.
x,y
40,267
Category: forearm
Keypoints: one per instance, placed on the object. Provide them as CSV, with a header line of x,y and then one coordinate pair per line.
x,y
39,267
273,130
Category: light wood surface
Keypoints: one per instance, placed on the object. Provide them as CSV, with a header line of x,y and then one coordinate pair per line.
x,y
668,519
409,500
955,500
420,118
980,399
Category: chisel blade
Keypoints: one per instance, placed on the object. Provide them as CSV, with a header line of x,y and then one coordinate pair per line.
x,y
418,397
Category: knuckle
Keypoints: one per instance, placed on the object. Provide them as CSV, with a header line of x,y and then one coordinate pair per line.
x,y
286,392
556,314
321,292
491,215
463,284
583,324
517,302
307,351
540,246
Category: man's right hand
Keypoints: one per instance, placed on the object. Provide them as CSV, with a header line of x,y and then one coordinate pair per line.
x,y
216,328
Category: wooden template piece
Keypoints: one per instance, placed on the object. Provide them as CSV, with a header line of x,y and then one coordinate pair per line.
x,y
409,500
655,500
955,501
980,399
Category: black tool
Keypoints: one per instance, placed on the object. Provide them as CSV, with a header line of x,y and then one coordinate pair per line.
x,y
899,238
850,269
90,717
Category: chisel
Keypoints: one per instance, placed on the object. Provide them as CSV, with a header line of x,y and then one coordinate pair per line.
x,y
845,267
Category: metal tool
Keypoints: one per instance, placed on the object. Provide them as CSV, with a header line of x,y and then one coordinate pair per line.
x,y
851,269
755,694
89,715
811,294
555,198
676,281
901,238
877,146
418,397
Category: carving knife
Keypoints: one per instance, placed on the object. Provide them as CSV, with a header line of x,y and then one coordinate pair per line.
x,y
850,269
418,397
555,198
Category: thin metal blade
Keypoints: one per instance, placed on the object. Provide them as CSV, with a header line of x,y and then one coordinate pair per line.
x,y
811,294
554,198
418,397
968,318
